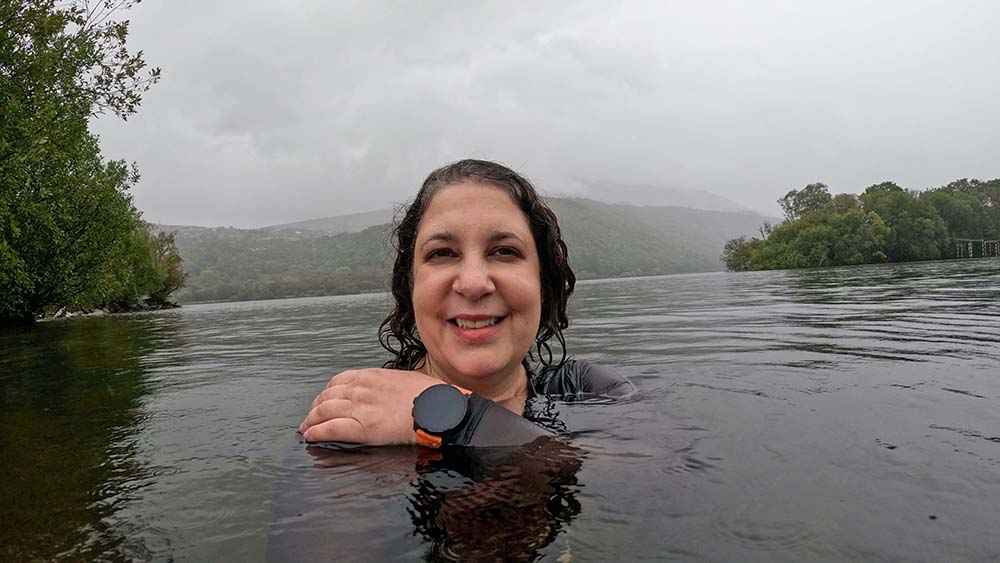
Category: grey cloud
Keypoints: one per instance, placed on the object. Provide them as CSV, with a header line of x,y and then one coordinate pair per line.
x,y
274,112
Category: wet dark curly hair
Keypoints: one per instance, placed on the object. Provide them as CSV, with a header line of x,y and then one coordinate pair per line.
x,y
398,333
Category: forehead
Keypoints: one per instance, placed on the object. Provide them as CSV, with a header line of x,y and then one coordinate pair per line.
x,y
466,205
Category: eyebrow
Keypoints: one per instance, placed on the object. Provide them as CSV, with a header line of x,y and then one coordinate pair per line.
x,y
448,236
504,235
445,236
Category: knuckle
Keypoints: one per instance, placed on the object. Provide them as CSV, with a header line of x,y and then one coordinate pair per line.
x,y
321,410
370,373
362,394
341,377
338,392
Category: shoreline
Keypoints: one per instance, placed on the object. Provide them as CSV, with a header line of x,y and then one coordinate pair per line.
x,y
63,314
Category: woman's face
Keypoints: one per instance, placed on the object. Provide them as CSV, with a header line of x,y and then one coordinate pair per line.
x,y
477,294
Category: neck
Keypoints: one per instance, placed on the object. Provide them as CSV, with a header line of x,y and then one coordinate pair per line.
x,y
508,389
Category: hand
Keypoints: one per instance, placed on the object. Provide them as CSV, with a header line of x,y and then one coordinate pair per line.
x,y
369,406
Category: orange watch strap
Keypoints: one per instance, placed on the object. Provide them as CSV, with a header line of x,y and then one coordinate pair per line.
x,y
430,440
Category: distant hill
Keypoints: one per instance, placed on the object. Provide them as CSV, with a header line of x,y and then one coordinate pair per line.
x,y
335,225
658,196
607,241
604,241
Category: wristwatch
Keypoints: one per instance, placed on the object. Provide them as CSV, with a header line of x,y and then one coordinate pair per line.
x,y
437,411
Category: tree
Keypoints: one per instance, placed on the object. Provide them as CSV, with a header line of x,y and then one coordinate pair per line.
x,y
737,253
984,197
916,231
859,237
168,261
143,271
842,203
810,198
962,212
65,212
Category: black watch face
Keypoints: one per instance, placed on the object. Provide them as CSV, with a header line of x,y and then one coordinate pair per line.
x,y
439,409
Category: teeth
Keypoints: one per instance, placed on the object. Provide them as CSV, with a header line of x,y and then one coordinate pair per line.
x,y
476,324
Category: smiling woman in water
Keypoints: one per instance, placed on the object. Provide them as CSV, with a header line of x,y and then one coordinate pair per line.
x,y
481,277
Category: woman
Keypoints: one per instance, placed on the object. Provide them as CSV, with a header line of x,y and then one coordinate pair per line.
x,y
481,276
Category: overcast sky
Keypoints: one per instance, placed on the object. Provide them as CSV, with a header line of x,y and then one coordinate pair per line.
x,y
271,112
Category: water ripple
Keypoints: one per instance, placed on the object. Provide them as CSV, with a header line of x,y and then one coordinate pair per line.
x,y
822,414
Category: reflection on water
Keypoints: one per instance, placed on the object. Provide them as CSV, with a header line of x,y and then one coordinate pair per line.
x,y
488,505
70,401
465,504
844,414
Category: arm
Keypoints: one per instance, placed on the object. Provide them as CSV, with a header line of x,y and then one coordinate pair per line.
x,y
584,378
602,380
489,424
374,406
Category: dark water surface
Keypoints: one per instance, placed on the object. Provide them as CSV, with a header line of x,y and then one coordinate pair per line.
x,y
824,415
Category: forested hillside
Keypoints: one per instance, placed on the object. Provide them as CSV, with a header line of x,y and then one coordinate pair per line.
x,y
227,264
604,241
607,241
351,223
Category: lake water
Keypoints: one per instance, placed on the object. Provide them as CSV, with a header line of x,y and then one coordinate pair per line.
x,y
821,415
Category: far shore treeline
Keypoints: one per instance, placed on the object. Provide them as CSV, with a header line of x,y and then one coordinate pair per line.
x,y
70,236
885,223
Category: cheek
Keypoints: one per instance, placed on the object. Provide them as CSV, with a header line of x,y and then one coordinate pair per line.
x,y
533,291
537,288
427,295
418,300
530,298
538,309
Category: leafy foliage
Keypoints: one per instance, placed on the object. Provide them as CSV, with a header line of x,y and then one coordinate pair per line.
x,y
69,234
884,223
797,202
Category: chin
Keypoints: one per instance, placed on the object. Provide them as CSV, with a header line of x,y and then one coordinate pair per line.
x,y
480,367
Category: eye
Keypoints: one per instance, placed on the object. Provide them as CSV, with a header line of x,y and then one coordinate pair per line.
x,y
506,252
439,254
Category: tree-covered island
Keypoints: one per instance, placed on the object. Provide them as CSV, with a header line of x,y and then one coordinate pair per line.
x,y
70,236
885,223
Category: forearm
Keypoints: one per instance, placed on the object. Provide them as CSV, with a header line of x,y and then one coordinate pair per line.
x,y
489,424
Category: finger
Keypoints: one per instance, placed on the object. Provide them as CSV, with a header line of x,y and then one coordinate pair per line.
x,y
336,430
333,408
335,392
343,378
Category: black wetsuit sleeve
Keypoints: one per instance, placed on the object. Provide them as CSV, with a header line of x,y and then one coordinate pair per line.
x,y
489,424
601,380
581,377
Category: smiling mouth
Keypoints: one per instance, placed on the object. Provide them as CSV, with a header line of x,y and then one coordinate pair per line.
x,y
484,323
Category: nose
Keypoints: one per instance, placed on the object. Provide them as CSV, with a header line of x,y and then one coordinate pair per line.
x,y
473,280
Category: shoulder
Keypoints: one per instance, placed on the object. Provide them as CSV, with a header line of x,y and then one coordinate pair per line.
x,y
580,377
